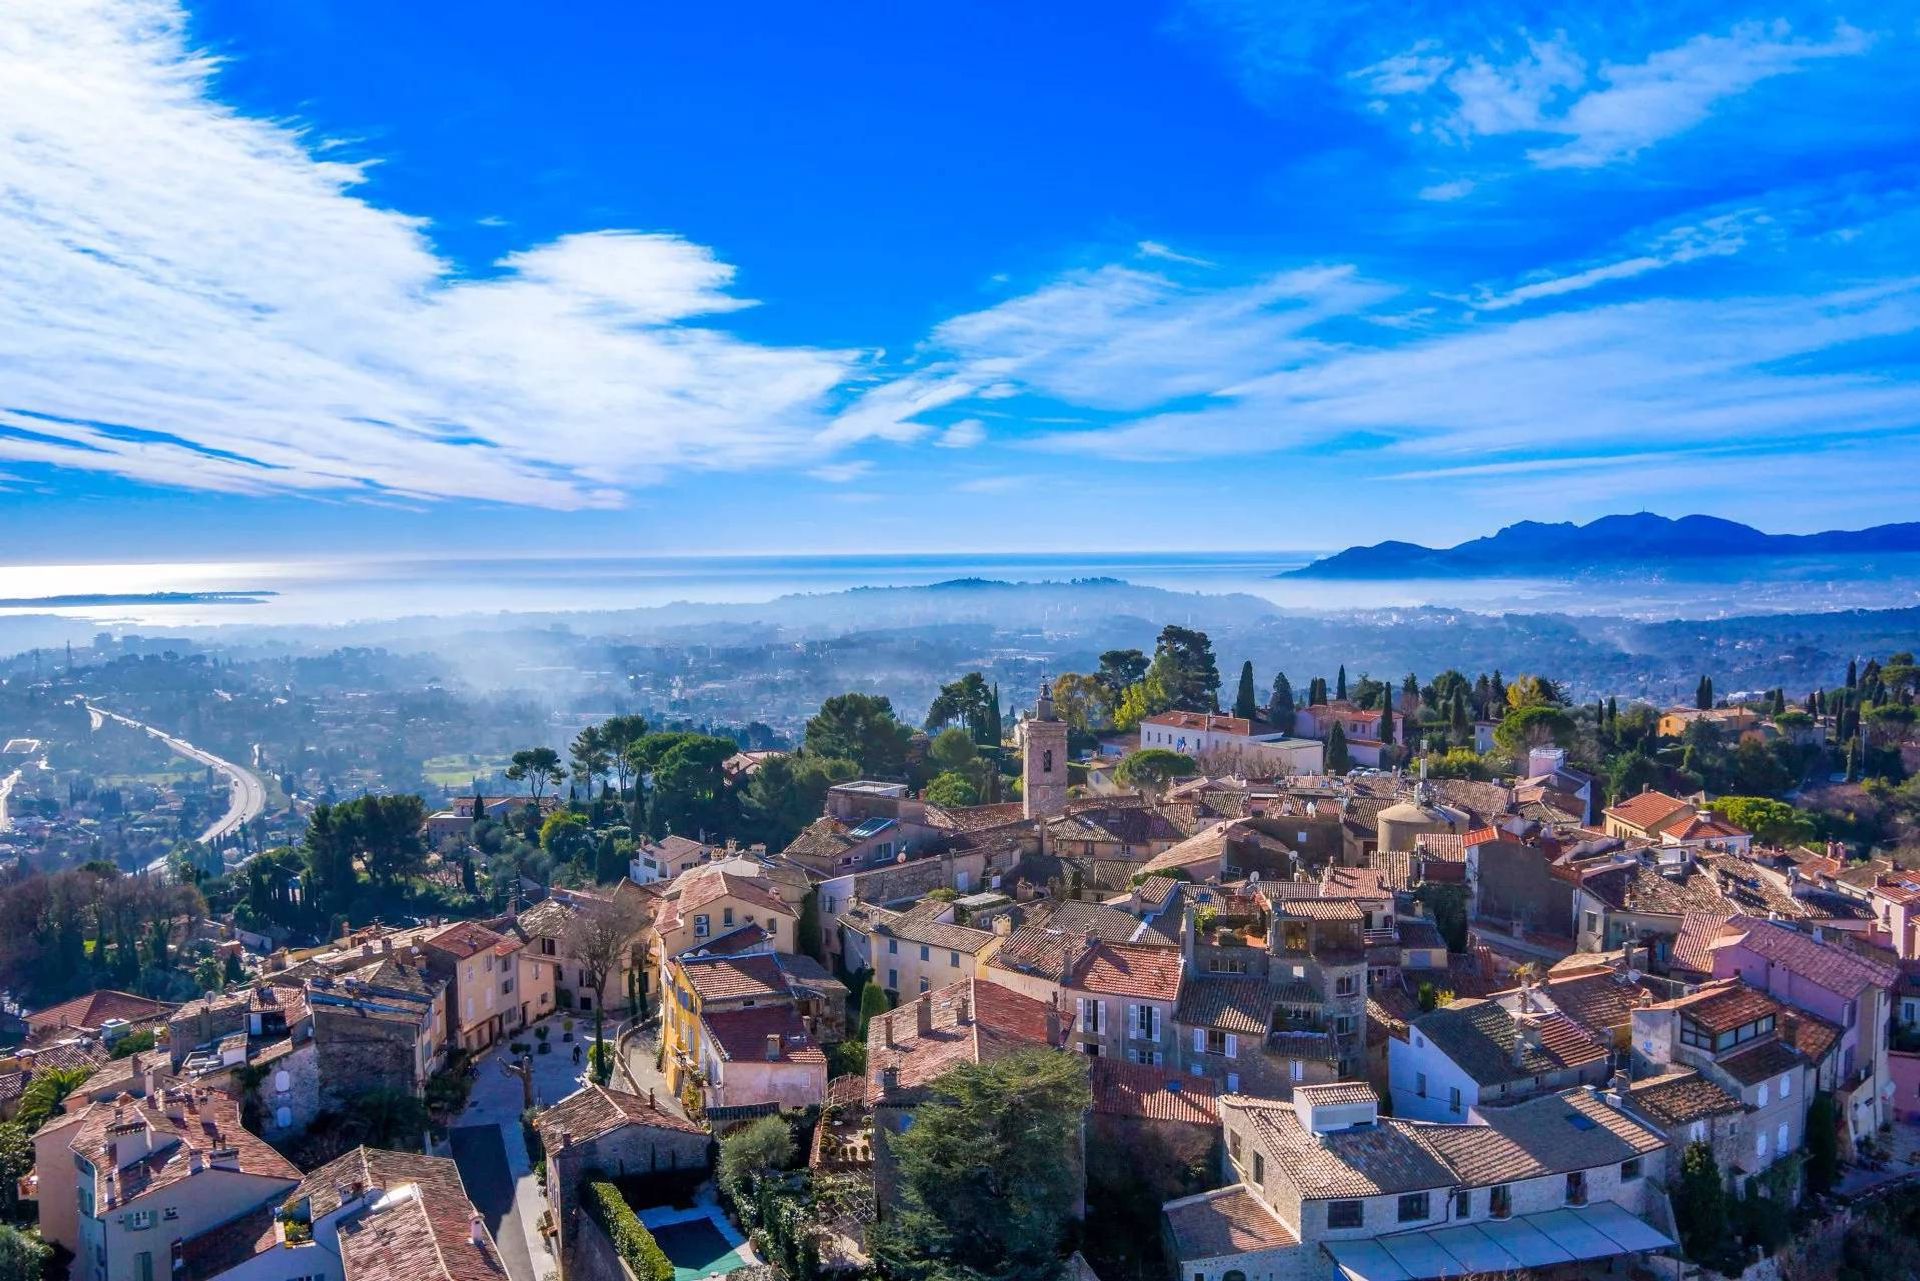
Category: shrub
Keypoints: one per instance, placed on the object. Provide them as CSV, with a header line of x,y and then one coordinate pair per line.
x,y
631,1240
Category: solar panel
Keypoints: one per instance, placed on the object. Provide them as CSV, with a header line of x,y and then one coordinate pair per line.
x,y
1580,1121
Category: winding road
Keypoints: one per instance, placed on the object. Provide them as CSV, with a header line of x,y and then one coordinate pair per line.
x,y
249,794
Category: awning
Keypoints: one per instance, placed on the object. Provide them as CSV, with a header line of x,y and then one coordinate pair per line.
x,y
1597,1231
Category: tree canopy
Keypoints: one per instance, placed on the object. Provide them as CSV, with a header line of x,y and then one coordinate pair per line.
x,y
860,728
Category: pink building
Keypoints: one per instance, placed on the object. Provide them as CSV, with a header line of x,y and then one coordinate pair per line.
x,y
1903,1071
1832,982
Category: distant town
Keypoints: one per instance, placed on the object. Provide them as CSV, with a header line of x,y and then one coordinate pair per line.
x,y
327,965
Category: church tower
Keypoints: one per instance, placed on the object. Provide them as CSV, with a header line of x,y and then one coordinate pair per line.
x,y
1043,765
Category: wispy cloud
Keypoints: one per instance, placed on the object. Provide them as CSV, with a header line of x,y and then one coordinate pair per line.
x,y
1714,238
193,296
1154,249
965,434
993,484
1452,189
1603,111
841,473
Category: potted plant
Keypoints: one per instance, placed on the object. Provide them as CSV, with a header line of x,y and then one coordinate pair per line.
x,y
541,1032
566,1029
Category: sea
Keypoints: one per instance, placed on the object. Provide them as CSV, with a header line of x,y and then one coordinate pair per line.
x,y
193,595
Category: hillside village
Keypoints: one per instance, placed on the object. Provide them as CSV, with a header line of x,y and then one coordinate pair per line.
x,y
1386,982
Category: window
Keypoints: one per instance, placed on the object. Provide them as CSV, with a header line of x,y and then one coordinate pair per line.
x,y
1577,1188
506,986
1346,985
1419,1085
1780,1137
1760,1144
1453,1099
1233,1083
1463,1204
1698,1133
1343,1025
1233,1144
1593,922
1413,1207
893,947
1763,1094
171,1212
953,960
1233,1274
893,979
1259,1169
830,905
924,985
1630,1170
1297,1070
1786,1086
137,1220
1500,1201
1346,1214
1852,1010
926,953
726,916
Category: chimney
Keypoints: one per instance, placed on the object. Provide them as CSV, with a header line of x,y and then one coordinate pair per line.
x,y
1189,926
651,1102
923,1014
1617,1090
476,1230
889,1079
193,1161
886,1031
1003,924
147,1081
773,1047
566,1140
1053,1025
963,1009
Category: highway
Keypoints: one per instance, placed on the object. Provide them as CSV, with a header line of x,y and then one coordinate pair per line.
x,y
6,789
249,794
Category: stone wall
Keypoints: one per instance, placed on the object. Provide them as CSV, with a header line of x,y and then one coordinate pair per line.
x,y
289,1094
361,1052
591,1256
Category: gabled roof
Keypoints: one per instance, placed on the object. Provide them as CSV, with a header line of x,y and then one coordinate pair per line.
x,y
730,978
741,1035
1479,1037
1376,1160
1841,971
464,939
595,1110
94,1008
1138,970
1680,1098
1647,810
1551,1134
420,1229
1225,1222
972,1021
1147,1093
1767,1059
1239,1004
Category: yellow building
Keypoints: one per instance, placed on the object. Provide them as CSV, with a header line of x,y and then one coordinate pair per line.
x,y
922,950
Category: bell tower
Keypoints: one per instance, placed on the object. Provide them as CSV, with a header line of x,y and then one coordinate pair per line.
x,y
1043,764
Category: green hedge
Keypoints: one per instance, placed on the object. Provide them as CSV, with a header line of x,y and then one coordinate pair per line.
x,y
635,1244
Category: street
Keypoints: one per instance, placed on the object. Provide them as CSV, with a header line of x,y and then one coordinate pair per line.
x,y
249,794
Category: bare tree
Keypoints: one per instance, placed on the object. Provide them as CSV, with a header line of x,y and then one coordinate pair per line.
x,y
597,938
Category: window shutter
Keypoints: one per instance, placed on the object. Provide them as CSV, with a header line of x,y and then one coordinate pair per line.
x,y
1233,1046
1153,1022
1199,1040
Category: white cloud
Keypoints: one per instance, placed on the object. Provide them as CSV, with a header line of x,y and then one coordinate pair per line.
x,y
993,484
964,434
192,296
841,473
1123,339
1652,375
1451,190
1716,237
1154,249
1604,113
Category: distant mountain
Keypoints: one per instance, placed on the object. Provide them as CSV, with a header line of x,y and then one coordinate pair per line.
x,y
1609,544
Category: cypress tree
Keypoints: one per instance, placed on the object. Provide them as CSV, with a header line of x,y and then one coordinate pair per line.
x,y
1701,698
1244,703
1280,706
1339,759
1613,711
993,717
1853,674
1340,689
1461,724
1497,695
1386,722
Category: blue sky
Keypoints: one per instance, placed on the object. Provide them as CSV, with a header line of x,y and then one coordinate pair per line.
x,y
313,277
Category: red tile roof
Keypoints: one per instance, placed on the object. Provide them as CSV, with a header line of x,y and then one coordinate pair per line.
x,y
742,1035
726,978
464,939
94,1008
972,1021
1129,969
595,1110
1725,1006
1147,1093
1693,949
1837,969
1647,810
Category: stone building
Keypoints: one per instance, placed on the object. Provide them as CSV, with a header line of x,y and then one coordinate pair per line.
x,y
617,1134
1043,760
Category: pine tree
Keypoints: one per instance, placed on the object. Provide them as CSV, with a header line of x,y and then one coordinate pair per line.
x,y
1280,705
1340,689
1853,674
1244,703
1496,695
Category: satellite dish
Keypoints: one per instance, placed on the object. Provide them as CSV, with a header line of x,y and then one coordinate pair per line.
x,y
1253,878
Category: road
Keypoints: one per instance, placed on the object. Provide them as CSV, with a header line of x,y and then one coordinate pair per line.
x,y
6,789
249,794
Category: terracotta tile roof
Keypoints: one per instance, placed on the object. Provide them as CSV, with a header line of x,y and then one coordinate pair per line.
x,y
1812,1036
1837,969
1552,1134
729,978
973,1021
1600,1002
1479,1037
1481,835
824,838
1647,810
1040,952
742,1035
1700,827
1311,1047
1378,1160
1419,932
546,920
595,1110
1337,1092
1207,720
1226,1222
1680,1098
975,818
1129,969
1355,883
217,1250
1231,1003
1148,1093
464,939
1727,1005
209,1122
1693,949
1211,843
420,1230
914,928
1755,1064
94,1008
1320,909
704,885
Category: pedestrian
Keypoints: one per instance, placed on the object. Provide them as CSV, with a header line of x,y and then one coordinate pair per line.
x,y
576,1054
